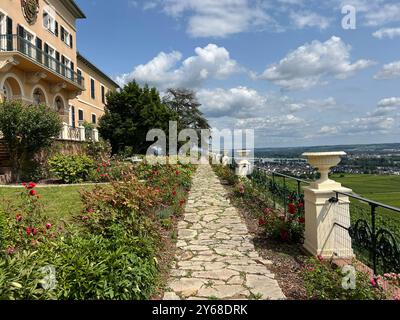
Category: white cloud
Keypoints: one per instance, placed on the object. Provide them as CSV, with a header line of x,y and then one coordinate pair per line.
x,y
389,71
389,102
312,63
304,19
243,102
210,18
239,102
163,71
383,14
387,33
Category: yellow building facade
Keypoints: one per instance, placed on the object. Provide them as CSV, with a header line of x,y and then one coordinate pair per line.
x,y
39,62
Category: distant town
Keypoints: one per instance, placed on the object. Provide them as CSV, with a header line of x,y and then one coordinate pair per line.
x,y
381,159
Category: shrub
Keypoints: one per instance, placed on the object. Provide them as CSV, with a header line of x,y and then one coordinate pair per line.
x,y
110,253
99,151
71,168
27,130
323,281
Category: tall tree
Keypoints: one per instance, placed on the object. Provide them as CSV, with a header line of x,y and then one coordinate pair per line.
x,y
130,114
184,102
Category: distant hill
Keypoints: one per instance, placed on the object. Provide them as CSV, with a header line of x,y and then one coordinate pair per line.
x,y
295,152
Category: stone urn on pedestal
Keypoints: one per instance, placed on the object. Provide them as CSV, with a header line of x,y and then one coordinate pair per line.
x,y
243,165
322,235
225,158
218,158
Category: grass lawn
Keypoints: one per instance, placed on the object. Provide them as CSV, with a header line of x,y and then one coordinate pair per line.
x,y
385,189
59,202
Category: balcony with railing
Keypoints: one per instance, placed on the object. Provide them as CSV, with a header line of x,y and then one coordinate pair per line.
x,y
80,133
32,59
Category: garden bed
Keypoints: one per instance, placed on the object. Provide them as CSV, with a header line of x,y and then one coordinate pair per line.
x,y
119,245
300,276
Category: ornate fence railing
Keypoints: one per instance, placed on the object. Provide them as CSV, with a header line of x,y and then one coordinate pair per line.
x,y
10,43
374,231
282,188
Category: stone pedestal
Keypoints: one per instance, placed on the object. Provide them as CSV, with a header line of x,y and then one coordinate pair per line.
x,y
64,131
322,234
82,133
243,165
95,135
226,159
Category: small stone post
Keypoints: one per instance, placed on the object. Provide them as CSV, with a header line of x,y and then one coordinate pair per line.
x,y
64,131
82,133
96,135
322,236
244,165
225,159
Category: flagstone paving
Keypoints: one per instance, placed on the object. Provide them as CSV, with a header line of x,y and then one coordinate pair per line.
x,y
216,257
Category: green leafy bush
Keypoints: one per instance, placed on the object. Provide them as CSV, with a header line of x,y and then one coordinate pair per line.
x,y
71,168
110,252
323,281
27,130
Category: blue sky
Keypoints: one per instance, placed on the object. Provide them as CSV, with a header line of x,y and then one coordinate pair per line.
x,y
286,68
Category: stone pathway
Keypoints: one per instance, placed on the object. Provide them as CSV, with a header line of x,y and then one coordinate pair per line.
x,y
216,258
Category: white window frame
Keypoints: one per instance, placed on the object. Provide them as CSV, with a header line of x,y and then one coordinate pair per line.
x,y
3,31
67,40
91,120
83,113
67,65
52,27
91,95
105,93
29,32
52,64
77,72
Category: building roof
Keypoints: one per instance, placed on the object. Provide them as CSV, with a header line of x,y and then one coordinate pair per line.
x,y
93,67
74,9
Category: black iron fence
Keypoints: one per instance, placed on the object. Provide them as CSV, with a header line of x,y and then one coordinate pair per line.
x,y
374,229
17,43
281,188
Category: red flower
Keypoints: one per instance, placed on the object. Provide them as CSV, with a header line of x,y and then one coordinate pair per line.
x,y
33,193
85,218
302,220
174,193
10,251
373,282
30,186
320,258
34,231
261,222
300,205
292,208
19,217
48,226
177,173
28,231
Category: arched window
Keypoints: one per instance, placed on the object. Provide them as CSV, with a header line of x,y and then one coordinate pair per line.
x,y
38,97
60,105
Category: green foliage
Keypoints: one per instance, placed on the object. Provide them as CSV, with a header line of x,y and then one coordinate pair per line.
x,y
186,105
323,281
130,114
98,151
27,130
71,168
111,250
